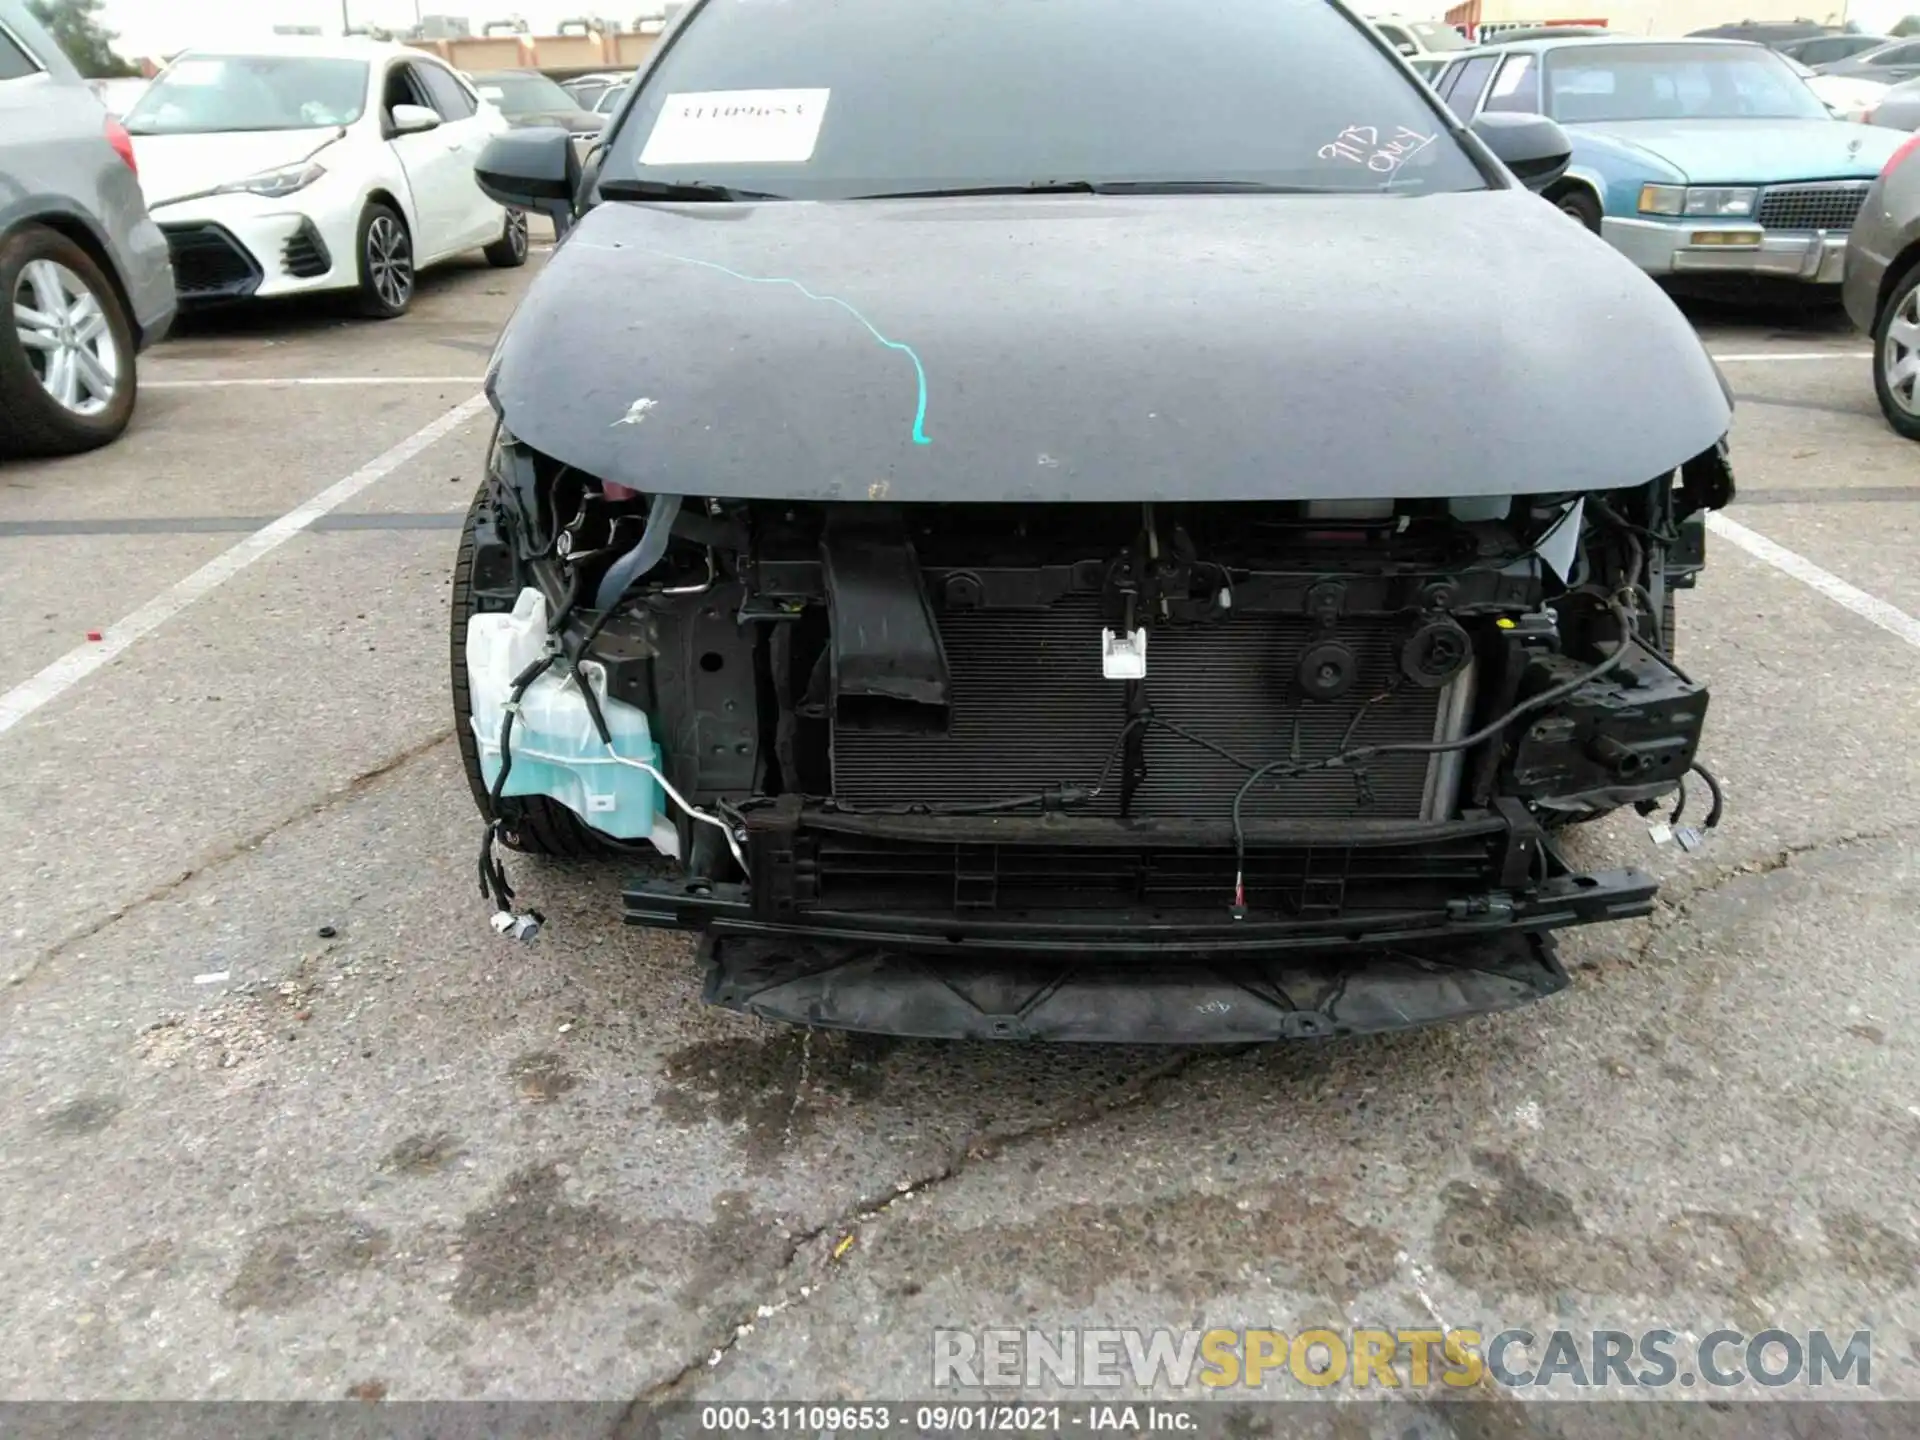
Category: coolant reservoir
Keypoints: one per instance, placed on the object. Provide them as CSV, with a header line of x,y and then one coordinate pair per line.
x,y
556,749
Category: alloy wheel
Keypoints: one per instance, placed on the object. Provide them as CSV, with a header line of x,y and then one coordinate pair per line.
x,y
1900,353
64,331
389,261
517,233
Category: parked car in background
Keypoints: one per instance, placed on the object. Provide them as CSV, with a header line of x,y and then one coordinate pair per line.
x,y
1773,33
1414,38
586,90
119,95
1826,49
1894,62
306,165
1899,107
84,278
1695,158
526,97
1883,285
1847,96
611,97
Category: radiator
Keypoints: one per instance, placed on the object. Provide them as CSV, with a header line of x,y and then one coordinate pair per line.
x,y
1031,712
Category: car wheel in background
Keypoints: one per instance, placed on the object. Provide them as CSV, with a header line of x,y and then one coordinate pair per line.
x,y
66,348
532,824
509,252
1578,203
386,263
1896,355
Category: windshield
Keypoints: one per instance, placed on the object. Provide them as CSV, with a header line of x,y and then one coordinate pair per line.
x,y
525,94
212,94
1675,82
834,99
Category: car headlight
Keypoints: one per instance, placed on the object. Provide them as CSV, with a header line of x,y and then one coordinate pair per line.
x,y
1719,200
275,183
1712,201
1662,199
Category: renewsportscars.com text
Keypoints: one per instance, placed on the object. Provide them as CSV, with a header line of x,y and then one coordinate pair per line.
x,y
1364,1358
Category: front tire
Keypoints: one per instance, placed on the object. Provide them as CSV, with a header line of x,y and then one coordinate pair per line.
x,y
509,252
386,263
1896,356
66,348
531,824
1578,204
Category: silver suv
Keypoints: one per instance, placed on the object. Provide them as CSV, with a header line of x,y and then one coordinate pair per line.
x,y
1882,285
85,282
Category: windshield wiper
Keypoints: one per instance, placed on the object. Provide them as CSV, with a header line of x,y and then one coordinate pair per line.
x,y
1104,187
1206,187
679,190
1038,187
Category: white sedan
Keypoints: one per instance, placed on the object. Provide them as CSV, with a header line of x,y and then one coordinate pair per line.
x,y
1849,97
317,166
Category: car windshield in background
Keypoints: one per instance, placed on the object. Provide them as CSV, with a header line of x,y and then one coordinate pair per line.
x,y
212,94
526,94
852,98
1675,82
1436,36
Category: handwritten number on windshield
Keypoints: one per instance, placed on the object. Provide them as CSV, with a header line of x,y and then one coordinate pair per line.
x,y
1362,145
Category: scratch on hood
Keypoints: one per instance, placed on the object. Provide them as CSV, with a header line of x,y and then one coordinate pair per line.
x,y
919,371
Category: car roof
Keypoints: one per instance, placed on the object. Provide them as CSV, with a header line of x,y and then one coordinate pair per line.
x,y
1584,41
353,47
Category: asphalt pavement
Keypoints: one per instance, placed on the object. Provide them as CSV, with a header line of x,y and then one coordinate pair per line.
x,y
281,1118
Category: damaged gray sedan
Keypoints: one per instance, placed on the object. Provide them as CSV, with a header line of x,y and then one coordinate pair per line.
x,y
1031,521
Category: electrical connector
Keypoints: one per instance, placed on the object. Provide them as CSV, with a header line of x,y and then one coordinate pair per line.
x,y
522,927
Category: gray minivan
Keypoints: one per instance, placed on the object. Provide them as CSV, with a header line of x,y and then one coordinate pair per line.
x,y
83,270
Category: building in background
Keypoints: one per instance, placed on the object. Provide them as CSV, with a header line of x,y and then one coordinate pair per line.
x,y
1485,18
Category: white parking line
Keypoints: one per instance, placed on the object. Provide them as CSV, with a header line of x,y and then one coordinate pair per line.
x,y
1764,356
73,667
313,380
1890,618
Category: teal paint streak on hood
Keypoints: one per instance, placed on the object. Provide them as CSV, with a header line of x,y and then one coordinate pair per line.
x,y
1754,152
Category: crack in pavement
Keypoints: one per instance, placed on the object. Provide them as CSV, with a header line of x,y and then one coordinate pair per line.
x,y
209,863
1676,910
1090,1111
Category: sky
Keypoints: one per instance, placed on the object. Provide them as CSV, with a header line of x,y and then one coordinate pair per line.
x,y
150,27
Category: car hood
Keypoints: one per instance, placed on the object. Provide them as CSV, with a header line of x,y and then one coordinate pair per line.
x,y
1754,152
172,167
1207,347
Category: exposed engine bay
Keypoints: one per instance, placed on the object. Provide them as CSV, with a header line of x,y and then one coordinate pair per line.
x,y
1145,733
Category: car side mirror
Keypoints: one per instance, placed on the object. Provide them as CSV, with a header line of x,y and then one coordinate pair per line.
x,y
1533,147
414,119
532,169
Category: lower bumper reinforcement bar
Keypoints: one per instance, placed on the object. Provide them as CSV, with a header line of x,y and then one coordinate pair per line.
x,y
874,988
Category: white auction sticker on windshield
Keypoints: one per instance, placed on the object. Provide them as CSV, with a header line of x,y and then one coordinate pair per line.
x,y
736,127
